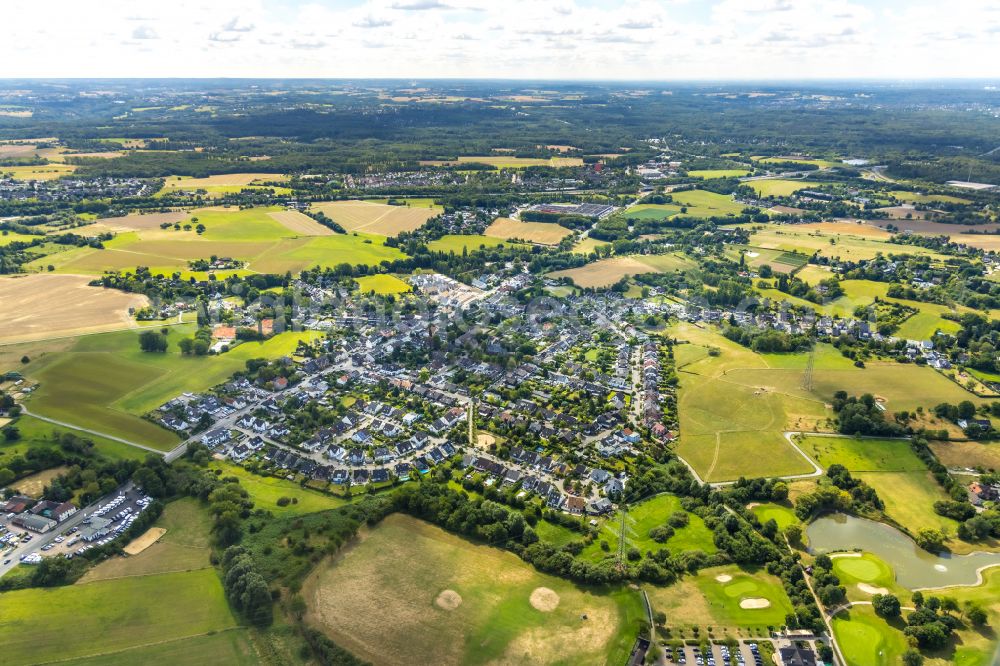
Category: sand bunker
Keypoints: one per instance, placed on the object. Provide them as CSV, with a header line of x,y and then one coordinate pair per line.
x,y
144,541
544,599
448,600
723,578
871,589
752,603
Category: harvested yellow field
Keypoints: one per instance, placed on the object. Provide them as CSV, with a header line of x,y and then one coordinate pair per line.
x,y
507,161
38,172
847,227
606,272
904,213
133,222
300,223
10,150
543,233
376,218
222,180
41,306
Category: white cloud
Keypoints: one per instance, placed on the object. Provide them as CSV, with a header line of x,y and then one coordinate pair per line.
x,y
144,32
632,39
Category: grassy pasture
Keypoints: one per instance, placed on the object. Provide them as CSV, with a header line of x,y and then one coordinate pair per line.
x,y
917,197
822,164
79,388
232,224
606,272
491,619
731,428
702,600
734,406
507,162
968,454
298,254
657,212
903,386
780,187
37,433
104,382
895,472
221,184
457,243
654,512
708,174
701,203
862,454
232,646
643,517
377,218
780,261
40,306
588,245
183,547
252,235
382,284
266,490
909,499
8,237
38,172
111,615
543,233
807,240
134,222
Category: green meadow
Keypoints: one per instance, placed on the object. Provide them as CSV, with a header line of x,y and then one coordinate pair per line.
x,y
459,243
250,235
708,174
111,615
265,491
780,187
701,203
382,284
106,383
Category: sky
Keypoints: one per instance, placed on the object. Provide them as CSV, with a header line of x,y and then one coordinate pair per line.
x,y
521,39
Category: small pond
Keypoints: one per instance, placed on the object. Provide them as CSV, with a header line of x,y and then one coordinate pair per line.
x,y
915,568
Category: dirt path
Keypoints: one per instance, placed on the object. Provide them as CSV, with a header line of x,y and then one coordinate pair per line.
x,y
96,433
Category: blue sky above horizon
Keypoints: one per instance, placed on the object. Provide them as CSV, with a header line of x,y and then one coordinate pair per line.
x,y
559,39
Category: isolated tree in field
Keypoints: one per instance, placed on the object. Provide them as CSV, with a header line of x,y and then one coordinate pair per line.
x,y
886,605
152,341
976,615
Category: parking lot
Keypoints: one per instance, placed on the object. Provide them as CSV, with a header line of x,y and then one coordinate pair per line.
x,y
95,525
748,654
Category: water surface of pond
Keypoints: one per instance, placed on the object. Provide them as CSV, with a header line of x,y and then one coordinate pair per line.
x,y
915,568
